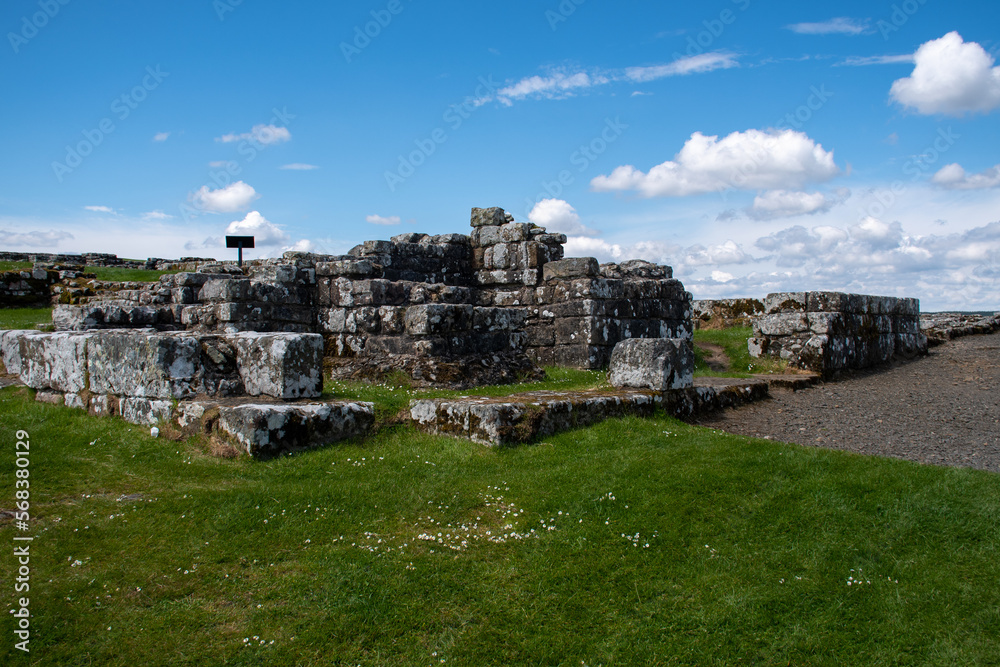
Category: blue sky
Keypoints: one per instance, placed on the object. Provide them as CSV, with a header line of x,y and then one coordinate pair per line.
x,y
754,146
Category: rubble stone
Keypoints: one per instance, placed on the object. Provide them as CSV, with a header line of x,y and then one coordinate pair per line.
x,y
653,363
267,429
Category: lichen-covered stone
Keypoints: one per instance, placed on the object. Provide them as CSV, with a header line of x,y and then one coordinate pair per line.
x,y
283,365
56,361
263,429
145,411
145,364
653,363
574,267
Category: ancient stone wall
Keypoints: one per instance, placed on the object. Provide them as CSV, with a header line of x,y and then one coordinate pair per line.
x,y
447,309
100,259
25,289
725,313
828,332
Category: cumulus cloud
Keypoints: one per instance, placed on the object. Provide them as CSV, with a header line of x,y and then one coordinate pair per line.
x,y
302,245
751,160
49,239
557,216
382,220
951,77
785,204
299,166
837,26
729,252
261,134
265,232
100,209
234,197
161,136
559,83
659,252
953,177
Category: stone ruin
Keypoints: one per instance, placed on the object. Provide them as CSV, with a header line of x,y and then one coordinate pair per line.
x,y
241,353
829,332
449,310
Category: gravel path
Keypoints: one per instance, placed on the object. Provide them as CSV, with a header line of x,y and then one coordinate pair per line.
x,y
942,409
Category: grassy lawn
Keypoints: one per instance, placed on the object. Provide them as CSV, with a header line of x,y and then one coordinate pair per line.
x,y
15,266
633,542
116,274
24,318
734,342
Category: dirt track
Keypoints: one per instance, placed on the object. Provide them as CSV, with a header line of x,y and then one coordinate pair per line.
x,y
942,409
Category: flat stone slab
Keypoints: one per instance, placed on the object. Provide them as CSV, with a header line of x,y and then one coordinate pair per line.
x,y
521,418
263,429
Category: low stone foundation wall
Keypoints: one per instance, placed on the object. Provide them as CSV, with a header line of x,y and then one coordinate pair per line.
x,y
27,289
522,418
942,327
827,332
141,374
725,313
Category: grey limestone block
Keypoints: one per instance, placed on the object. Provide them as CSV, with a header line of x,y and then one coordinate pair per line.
x,y
353,268
574,267
282,365
781,324
145,411
785,302
488,217
652,363
56,361
215,291
436,318
267,429
145,364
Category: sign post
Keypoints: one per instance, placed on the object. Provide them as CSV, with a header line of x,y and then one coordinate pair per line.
x,y
239,242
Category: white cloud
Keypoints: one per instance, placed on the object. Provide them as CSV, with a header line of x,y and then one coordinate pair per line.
x,y
557,216
265,232
100,209
953,177
659,252
951,77
302,245
219,164
722,277
261,134
560,83
751,160
161,136
729,252
704,62
878,234
299,166
380,220
209,242
156,215
49,239
837,26
785,204
234,197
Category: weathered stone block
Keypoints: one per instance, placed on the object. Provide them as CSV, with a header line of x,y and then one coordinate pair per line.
x,y
574,267
55,361
587,357
145,411
499,319
283,365
782,324
488,217
785,302
652,363
265,429
10,348
352,268
436,318
144,364
215,291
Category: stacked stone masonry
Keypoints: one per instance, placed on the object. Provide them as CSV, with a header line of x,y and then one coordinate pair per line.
x,y
451,309
827,332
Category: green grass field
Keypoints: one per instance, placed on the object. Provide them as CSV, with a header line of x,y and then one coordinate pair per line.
x,y
15,266
734,342
633,542
24,318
